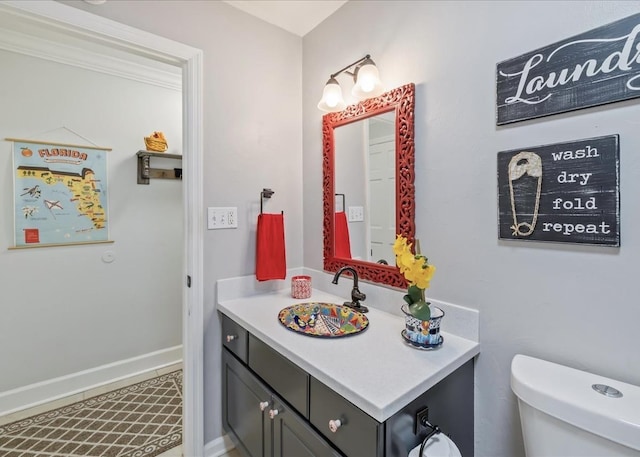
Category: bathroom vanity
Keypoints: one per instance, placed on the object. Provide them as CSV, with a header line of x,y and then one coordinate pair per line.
x,y
286,394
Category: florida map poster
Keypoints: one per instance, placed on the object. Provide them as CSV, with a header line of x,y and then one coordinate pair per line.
x,y
60,194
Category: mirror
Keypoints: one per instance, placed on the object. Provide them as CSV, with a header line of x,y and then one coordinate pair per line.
x,y
368,226
368,184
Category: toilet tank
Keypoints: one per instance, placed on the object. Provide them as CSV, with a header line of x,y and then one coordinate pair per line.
x,y
563,415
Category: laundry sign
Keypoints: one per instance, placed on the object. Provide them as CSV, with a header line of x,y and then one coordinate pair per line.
x,y
594,68
564,192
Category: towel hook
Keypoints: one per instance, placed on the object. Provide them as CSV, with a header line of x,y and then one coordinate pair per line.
x,y
266,193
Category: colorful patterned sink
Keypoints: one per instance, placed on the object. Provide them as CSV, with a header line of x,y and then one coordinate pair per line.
x,y
324,320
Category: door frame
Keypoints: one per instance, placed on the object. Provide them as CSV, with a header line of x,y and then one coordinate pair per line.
x,y
189,59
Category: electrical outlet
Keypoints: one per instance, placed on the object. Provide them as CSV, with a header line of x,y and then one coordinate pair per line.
x,y
356,214
222,218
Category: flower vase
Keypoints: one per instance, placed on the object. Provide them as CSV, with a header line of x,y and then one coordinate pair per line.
x,y
423,334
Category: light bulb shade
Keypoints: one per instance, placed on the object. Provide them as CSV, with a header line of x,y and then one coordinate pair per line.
x,y
368,82
332,97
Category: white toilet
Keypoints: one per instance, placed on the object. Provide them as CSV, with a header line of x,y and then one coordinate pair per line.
x,y
572,413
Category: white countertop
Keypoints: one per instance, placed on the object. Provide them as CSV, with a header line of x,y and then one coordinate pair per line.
x,y
375,370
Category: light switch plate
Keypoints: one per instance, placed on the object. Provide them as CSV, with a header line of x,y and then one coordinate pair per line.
x,y
356,214
222,218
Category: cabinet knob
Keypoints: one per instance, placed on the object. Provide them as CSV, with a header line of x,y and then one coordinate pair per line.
x,y
264,405
230,338
273,413
334,425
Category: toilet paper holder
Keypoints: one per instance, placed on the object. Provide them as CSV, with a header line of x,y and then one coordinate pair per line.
x,y
433,430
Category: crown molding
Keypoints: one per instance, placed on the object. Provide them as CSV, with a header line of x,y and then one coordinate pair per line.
x,y
14,41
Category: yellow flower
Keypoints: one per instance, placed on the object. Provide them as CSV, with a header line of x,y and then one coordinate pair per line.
x,y
414,267
424,275
405,261
400,245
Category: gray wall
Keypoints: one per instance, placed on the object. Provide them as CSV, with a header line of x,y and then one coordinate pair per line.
x,y
570,304
252,138
64,310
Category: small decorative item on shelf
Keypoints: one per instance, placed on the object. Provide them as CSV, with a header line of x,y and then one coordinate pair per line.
x,y
156,142
422,321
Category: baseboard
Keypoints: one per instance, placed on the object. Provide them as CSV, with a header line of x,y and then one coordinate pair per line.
x,y
63,386
218,447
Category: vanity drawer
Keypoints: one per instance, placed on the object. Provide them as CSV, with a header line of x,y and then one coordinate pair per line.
x,y
357,434
287,379
234,338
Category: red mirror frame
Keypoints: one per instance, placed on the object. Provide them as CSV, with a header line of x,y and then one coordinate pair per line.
x,y
402,100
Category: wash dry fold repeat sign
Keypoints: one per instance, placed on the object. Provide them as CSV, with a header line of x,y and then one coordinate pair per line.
x,y
563,192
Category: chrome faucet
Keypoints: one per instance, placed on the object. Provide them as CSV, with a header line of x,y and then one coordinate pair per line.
x,y
356,295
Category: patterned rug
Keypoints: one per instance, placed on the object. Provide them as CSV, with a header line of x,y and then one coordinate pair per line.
x,y
141,420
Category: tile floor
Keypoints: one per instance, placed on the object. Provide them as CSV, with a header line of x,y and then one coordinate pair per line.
x,y
87,394
175,452
19,415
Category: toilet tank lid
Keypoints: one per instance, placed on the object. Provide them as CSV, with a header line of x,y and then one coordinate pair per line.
x,y
567,394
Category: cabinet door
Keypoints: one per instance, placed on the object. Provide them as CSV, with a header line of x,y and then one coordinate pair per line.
x,y
293,437
242,395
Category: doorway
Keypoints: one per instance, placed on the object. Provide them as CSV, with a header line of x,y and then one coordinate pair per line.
x,y
124,40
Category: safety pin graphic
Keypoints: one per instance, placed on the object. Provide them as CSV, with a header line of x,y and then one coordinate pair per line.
x,y
524,163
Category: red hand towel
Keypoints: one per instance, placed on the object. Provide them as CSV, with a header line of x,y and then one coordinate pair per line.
x,y
341,229
271,260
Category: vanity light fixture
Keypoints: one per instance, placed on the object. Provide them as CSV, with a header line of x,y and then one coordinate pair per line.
x,y
367,85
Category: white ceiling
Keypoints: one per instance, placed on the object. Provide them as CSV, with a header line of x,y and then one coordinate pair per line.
x,y
296,16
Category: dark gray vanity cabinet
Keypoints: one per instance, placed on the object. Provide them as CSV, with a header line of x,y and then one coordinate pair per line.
x,y
260,423
271,407
241,408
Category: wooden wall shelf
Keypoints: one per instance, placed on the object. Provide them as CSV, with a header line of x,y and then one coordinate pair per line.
x,y
145,172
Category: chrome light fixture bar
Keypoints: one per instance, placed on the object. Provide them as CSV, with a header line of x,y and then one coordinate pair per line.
x,y
367,85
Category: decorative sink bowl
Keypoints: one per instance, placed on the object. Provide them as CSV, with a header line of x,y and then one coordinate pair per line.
x,y
324,320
